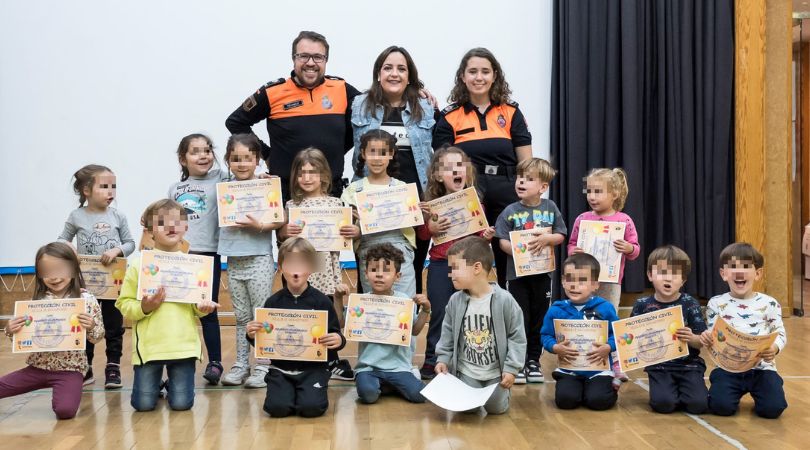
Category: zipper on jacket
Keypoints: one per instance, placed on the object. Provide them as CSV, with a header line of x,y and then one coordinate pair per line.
x,y
137,343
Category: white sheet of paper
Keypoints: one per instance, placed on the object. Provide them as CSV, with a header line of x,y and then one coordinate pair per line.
x,y
450,393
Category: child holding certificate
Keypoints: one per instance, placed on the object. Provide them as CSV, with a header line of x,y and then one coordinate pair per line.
x,y
483,341
251,268
310,185
57,276
165,333
532,292
593,389
384,368
197,192
606,191
299,387
377,151
450,171
754,313
102,230
677,383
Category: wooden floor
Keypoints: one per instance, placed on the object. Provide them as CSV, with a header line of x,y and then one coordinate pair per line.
x,y
232,418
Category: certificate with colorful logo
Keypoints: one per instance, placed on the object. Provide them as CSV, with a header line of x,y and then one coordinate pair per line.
x,y
291,334
526,262
596,238
185,278
582,335
51,325
464,211
649,339
390,208
381,319
321,227
736,351
104,282
261,198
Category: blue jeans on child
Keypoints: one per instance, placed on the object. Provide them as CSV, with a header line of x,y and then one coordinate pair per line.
x,y
372,383
439,290
146,387
765,386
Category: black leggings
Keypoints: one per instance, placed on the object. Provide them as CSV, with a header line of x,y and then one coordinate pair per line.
x,y
210,322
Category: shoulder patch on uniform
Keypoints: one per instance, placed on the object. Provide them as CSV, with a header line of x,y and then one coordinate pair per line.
x,y
249,103
512,103
332,77
274,83
450,108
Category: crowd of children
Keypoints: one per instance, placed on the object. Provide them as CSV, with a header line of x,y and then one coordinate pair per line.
x,y
479,332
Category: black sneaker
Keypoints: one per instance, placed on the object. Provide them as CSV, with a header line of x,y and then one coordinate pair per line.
x,y
520,378
213,372
88,377
341,370
533,372
112,376
428,371
163,392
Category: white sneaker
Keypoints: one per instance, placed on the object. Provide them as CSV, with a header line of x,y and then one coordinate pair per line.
x,y
236,376
256,380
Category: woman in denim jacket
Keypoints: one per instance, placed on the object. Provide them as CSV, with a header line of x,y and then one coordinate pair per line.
x,y
393,104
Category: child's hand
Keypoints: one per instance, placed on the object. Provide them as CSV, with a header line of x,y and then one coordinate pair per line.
x,y
264,176
331,340
706,338
489,233
15,325
576,250
538,242
422,302
507,380
292,230
599,353
769,354
436,225
207,306
251,222
109,256
153,302
623,246
425,209
350,231
440,368
355,214
86,320
253,327
684,334
565,353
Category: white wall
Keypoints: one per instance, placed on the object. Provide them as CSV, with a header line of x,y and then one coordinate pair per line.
x,y
119,83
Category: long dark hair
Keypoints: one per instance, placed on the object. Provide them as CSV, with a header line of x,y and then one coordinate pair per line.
x,y
378,135
499,92
63,251
86,178
183,148
411,94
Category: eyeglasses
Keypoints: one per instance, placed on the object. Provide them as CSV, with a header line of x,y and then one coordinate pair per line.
x,y
317,58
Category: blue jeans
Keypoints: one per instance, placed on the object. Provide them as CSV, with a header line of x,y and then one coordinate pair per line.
x,y
765,386
439,290
371,384
146,387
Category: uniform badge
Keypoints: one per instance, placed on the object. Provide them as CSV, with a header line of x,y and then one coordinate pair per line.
x,y
326,103
249,104
501,121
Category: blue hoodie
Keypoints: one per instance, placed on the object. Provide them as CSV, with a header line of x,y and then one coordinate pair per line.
x,y
596,308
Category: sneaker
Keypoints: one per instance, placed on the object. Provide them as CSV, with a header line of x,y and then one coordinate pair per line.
x,y
617,372
256,379
341,370
521,377
428,371
163,391
236,376
88,377
213,372
112,376
533,372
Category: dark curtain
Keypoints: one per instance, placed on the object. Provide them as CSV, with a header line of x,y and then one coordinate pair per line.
x,y
647,85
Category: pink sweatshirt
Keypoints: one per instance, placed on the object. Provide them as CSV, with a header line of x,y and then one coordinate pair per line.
x,y
630,234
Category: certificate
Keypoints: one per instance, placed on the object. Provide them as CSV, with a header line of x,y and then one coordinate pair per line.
x,y
736,351
104,282
261,198
379,318
527,263
388,209
185,278
290,334
148,243
321,227
452,394
596,238
649,339
463,209
582,334
51,325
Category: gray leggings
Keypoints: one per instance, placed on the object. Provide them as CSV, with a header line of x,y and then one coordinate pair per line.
x,y
498,402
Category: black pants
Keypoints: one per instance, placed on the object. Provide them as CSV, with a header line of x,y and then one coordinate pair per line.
x,y
332,355
497,192
573,391
303,394
113,333
439,289
210,322
533,295
765,386
673,389
419,256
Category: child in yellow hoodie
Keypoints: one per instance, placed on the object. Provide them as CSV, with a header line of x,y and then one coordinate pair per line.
x,y
164,333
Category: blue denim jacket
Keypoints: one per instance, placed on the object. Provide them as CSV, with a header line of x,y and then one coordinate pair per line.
x,y
420,134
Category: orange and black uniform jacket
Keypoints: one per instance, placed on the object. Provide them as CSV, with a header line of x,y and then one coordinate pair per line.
x,y
297,118
489,138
